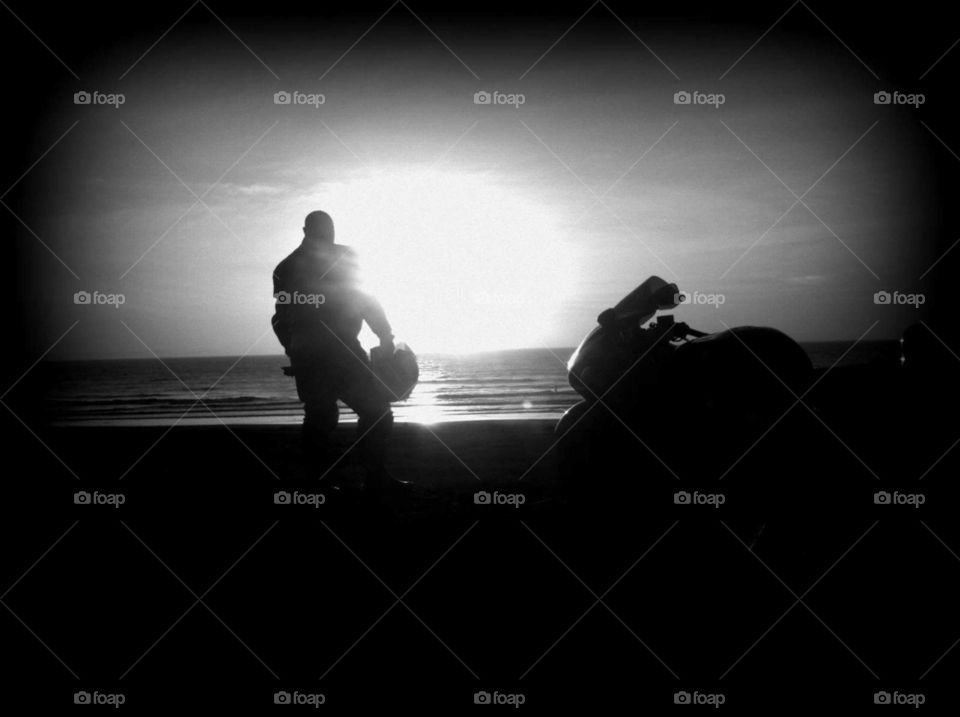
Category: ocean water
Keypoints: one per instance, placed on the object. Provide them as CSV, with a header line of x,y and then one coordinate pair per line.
x,y
523,383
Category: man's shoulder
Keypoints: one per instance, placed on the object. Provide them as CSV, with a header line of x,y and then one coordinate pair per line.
x,y
334,255
291,258
345,258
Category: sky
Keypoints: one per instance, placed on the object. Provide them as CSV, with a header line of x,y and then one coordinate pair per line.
x,y
479,226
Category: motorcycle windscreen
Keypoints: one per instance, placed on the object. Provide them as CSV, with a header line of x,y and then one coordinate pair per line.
x,y
639,306
653,294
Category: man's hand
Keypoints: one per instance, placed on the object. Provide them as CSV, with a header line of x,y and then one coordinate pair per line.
x,y
386,346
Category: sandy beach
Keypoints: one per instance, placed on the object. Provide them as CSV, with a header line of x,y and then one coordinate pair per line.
x,y
312,590
448,456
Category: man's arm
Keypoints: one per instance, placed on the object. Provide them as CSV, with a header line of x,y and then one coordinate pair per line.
x,y
376,319
281,316
370,309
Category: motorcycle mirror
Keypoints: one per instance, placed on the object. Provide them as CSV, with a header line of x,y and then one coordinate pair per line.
x,y
607,319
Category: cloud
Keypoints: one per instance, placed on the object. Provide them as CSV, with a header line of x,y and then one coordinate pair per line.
x,y
806,280
255,190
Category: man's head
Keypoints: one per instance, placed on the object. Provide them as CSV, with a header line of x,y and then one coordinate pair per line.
x,y
318,226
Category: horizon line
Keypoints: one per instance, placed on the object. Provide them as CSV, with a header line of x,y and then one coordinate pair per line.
x,y
423,353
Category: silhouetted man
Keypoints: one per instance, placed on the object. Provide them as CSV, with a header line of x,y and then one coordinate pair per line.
x,y
319,313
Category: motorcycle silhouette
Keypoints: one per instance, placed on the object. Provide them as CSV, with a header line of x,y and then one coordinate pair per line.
x,y
658,394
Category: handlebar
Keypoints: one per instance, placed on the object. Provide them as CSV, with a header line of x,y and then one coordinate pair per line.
x,y
677,329
610,321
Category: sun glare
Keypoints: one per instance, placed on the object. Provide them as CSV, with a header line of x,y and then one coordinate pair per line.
x,y
460,262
